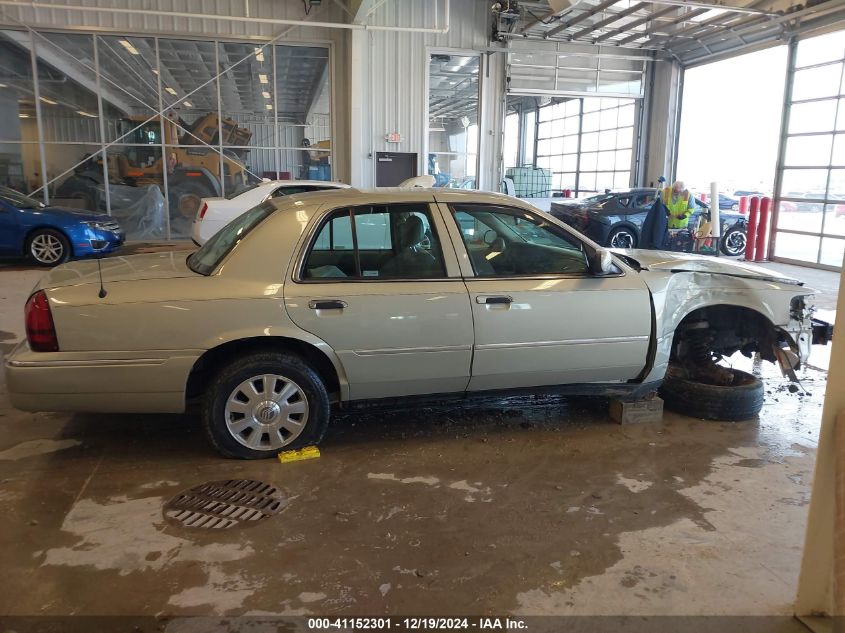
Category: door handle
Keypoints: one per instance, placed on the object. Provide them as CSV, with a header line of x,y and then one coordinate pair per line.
x,y
327,304
496,300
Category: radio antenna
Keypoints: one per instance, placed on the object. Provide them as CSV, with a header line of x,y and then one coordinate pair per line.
x,y
102,292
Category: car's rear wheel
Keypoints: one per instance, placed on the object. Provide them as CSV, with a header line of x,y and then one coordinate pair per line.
x,y
264,403
733,243
48,247
622,237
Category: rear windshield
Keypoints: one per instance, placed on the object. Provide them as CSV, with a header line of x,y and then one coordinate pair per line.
x,y
599,198
207,258
238,191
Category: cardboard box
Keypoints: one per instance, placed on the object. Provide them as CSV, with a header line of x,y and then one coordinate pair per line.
x,y
637,411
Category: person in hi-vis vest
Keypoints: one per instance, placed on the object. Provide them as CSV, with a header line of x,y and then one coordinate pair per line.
x,y
679,205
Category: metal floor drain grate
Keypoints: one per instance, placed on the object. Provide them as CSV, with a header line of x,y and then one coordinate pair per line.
x,y
224,504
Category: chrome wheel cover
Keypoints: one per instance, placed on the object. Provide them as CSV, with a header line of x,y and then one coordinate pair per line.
x,y
622,239
46,248
266,412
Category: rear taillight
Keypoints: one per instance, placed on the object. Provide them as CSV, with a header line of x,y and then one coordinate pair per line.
x,y
203,210
40,331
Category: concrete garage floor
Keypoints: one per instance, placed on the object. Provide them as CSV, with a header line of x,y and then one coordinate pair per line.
x,y
517,506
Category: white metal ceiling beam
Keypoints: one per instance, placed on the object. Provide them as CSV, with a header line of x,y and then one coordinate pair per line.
x,y
610,20
580,18
685,17
713,5
630,25
550,15
698,27
46,53
782,25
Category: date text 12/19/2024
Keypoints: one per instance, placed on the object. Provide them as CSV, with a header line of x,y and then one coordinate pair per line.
x,y
416,624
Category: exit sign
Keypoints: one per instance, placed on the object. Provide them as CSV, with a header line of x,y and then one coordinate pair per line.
x,y
393,137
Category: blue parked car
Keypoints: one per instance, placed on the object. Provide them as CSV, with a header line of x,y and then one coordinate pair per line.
x,y
52,235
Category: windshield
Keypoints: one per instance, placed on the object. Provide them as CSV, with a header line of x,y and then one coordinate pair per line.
x,y
206,259
18,200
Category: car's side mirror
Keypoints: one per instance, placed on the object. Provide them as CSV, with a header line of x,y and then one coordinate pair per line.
x,y
601,263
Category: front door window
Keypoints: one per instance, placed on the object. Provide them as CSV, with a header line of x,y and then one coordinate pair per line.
x,y
505,242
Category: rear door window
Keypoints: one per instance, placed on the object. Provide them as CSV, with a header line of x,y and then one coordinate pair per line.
x,y
376,242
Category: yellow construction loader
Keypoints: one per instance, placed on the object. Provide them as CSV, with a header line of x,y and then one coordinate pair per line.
x,y
193,168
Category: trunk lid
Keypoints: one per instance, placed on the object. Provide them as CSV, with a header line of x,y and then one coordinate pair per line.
x,y
117,269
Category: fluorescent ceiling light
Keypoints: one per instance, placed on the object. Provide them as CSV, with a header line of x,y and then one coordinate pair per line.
x,y
263,79
50,101
125,44
259,53
269,106
155,71
437,129
188,104
88,114
23,116
3,86
265,94
171,91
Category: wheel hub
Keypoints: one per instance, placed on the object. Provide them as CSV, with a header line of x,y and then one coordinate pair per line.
x,y
267,412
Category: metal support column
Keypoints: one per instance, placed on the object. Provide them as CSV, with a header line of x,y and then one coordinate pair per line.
x,y
38,121
102,118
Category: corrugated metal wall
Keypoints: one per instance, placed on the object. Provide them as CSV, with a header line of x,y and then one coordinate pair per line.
x,y
395,78
147,22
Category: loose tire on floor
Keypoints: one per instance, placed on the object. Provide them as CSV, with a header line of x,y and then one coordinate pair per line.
x,y
265,393
741,401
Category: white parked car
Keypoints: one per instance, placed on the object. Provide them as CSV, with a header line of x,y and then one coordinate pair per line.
x,y
215,213
305,302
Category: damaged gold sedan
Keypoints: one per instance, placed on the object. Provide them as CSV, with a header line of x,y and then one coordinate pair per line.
x,y
331,298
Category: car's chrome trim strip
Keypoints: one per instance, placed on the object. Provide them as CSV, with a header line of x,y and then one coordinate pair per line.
x,y
120,362
412,350
574,341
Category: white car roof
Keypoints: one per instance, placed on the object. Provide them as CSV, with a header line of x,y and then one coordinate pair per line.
x,y
265,187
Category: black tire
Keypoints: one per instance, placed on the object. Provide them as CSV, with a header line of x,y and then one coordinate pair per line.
x,y
186,198
623,236
48,247
295,371
742,401
733,241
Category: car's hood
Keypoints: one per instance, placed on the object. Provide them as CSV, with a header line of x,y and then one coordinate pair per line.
x,y
69,213
685,262
115,269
